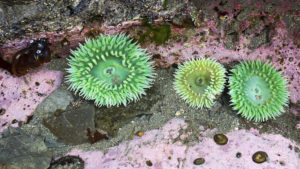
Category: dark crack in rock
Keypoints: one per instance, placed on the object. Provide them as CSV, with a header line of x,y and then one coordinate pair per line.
x,y
24,151
70,127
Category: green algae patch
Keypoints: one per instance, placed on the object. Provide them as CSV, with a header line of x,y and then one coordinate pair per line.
x,y
165,3
157,34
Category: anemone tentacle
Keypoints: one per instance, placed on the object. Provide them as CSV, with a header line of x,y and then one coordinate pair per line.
x,y
199,81
257,91
111,70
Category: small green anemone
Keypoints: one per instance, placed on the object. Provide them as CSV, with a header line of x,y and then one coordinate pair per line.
x,y
199,81
257,91
111,70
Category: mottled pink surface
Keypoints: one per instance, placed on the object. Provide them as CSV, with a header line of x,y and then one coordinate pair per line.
x,y
281,53
21,95
159,147
206,41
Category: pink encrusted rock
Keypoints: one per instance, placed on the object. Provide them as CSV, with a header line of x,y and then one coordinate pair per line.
x,y
62,42
158,147
284,56
21,95
282,53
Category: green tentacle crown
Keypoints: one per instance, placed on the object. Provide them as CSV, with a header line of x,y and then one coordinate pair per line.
x,y
199,81
257,91
111,70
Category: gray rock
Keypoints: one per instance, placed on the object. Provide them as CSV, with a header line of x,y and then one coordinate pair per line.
x,y
36,16
182,20
291,22
259,39
30,162
255,26
113,118
67,162
231,41
269,8
14,13
234,27
59,99
243,14
14,2
51,143
2,15
11,131
23,151
70,127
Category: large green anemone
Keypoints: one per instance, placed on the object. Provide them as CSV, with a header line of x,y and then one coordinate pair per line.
x,y
111,70
199,81
257,91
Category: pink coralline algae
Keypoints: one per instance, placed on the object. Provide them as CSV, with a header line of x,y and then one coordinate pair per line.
x,y
283,55
62,42
188,43
158,149
21,95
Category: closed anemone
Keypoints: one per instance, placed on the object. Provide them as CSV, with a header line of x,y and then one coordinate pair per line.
x,y
111,70
258,92
199,81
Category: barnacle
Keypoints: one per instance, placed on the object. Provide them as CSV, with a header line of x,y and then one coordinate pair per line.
x,y
220,139
260,157
111,70
257,91
199,81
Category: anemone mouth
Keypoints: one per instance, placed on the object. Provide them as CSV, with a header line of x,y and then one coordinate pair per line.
x,y
257,91
110,70
199,81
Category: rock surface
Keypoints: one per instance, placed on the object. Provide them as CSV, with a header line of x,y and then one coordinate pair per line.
x,y
142,134
166,148
24,151
58,100
21,95
70,127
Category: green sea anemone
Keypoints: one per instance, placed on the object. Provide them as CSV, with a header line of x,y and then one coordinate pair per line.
x,y
199,81
111,70
257,91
